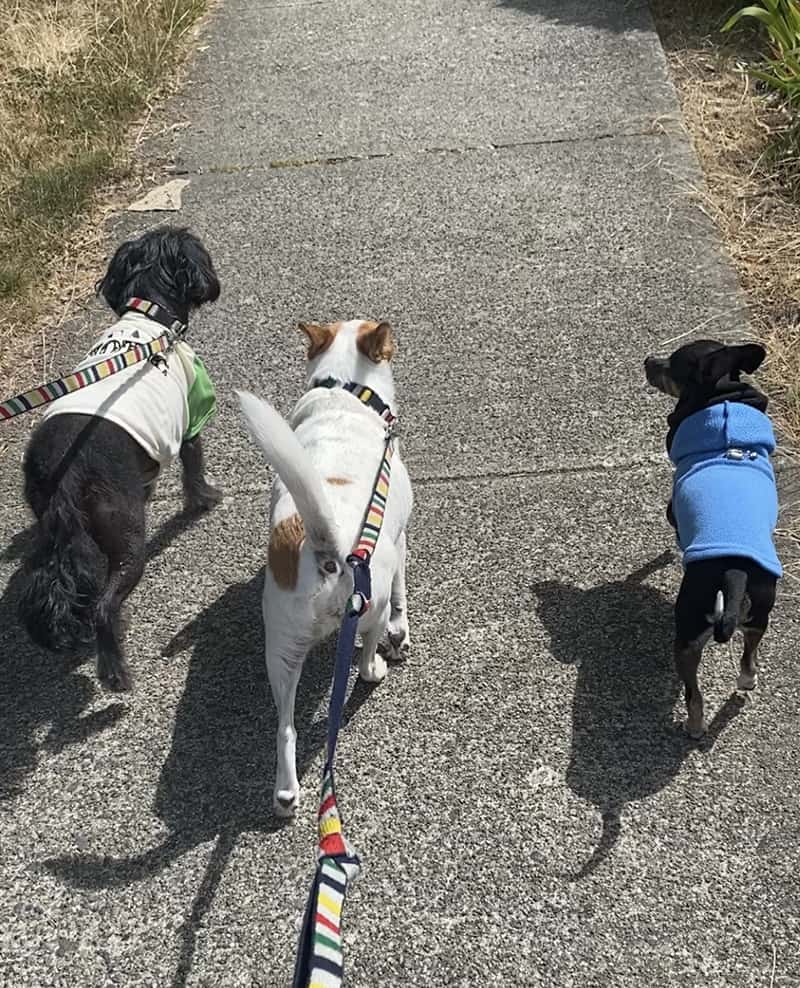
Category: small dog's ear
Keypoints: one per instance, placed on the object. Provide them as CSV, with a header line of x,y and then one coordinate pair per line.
x,y
319,338
123,268
376,341
732,360
194,275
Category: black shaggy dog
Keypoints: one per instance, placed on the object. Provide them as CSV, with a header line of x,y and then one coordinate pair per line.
x,y
87,478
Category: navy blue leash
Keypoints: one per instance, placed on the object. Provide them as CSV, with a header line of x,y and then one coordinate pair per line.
x,y
319,954
357,606
320,959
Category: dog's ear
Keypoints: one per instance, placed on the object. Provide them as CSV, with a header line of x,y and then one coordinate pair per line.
x,y
319,338
375,341
123,268
731,361
195,278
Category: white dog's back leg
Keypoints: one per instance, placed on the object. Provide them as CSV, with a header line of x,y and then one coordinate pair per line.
x,y
371,666
284,665
399,631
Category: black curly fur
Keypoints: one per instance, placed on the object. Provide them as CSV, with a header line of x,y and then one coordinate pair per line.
x,y
84,477
168,266
61,576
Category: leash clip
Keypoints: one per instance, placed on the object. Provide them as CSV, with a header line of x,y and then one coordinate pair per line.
x,y
358,604
361,597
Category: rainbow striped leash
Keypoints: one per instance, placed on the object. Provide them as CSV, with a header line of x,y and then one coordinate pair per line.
x,y
153,350
320,958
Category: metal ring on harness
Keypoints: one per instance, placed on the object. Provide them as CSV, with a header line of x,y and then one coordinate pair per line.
x,y
358,604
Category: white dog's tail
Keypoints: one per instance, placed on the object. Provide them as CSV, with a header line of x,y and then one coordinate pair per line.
x,y
292,464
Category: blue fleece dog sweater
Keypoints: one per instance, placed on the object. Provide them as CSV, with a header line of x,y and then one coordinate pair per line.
x,y
724,498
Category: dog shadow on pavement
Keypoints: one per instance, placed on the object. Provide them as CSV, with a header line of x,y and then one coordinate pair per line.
x,y
217,779
626,744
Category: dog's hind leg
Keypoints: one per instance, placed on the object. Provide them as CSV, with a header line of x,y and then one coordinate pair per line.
x,y
748,669
121,537
693,628
762,599
198,494
398,630
284,665
687,660
371,665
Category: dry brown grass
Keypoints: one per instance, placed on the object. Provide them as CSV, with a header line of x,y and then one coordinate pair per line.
x,y
74,76
749,156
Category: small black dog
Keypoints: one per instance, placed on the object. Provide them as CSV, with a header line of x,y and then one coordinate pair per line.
x,y
724,505
92,463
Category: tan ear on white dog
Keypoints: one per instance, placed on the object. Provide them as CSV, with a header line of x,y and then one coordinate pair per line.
x,y
375,341
319,337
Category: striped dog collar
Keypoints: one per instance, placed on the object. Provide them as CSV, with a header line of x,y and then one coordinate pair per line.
x,y
157,313
365,395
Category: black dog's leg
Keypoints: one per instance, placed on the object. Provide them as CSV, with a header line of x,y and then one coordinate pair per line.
x,y
762,599
748,671
687,660
119,529
199,495
692,630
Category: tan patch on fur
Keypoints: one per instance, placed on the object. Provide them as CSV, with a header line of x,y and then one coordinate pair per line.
x,y
338,481
319,337
375,341
284,551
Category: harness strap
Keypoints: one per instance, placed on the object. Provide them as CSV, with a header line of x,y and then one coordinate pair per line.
x,y
45,393
320,958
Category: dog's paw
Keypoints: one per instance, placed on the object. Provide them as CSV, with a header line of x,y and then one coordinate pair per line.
x,y
695,729
747,681
397,643
115,676
201,499
372,670
285,803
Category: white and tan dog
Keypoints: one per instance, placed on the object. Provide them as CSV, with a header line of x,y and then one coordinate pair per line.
x,y
326,460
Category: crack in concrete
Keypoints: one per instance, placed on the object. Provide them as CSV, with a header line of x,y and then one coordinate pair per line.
x,y
657,129
300,3
431,480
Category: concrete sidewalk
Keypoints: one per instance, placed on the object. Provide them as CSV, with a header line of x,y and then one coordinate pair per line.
x,y
507,183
